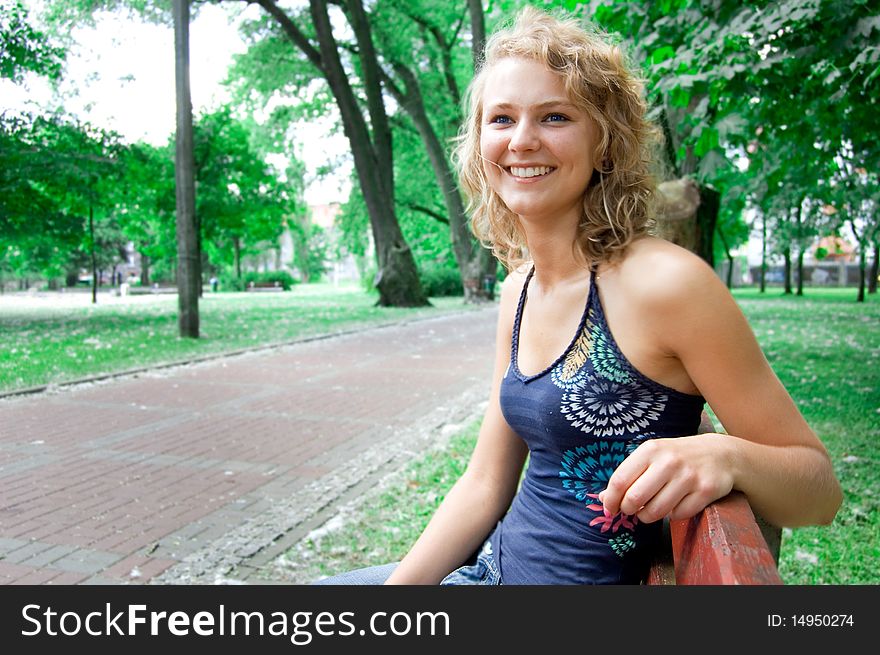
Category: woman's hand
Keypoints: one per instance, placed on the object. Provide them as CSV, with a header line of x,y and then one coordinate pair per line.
x,y
670,477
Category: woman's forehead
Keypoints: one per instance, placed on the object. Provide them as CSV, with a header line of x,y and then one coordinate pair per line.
x,y
512,80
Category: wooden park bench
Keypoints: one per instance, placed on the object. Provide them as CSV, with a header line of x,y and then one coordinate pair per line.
x,y
265,286
725,544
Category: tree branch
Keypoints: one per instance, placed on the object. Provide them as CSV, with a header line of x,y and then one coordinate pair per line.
x,y
293,32
445,49
425,210
392,87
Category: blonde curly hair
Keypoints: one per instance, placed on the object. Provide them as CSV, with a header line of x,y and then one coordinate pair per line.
x,y
616,203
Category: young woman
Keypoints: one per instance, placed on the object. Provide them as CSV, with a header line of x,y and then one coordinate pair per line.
x,y
609,343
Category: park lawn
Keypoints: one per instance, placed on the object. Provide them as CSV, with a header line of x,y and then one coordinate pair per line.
x,y
49,345
825,349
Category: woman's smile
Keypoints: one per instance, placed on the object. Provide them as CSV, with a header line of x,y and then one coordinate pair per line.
x,y
529,172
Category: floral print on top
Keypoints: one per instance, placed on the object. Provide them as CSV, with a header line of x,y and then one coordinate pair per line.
x,y
581,417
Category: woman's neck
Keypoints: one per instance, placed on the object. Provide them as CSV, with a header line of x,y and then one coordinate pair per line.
x,y
556,258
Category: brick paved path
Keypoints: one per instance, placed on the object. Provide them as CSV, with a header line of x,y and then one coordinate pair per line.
x,y
204,473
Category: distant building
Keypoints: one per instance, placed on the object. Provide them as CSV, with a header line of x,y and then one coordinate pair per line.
x,y
833,249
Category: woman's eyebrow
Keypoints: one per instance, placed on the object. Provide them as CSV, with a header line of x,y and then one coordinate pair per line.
x,y
554,103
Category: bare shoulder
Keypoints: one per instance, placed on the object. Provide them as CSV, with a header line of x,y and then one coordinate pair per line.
x,y
659,274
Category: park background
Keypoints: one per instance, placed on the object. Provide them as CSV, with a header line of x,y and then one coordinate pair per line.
x,y
770,171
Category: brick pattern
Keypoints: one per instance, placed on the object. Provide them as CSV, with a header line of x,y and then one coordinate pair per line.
x,y
116,482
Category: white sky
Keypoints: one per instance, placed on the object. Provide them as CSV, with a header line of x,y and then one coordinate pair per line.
x,y
120,76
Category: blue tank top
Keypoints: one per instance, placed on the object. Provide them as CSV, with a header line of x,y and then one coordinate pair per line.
x,y
580,418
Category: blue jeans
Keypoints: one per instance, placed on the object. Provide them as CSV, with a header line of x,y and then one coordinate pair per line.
x,y
481,569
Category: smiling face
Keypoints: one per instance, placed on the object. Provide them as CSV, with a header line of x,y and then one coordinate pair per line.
x,y
537,146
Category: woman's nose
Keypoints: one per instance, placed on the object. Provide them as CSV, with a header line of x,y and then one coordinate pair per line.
x,y
524,137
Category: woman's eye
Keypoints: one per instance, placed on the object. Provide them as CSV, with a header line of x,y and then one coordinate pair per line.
x,y
502,120
556,118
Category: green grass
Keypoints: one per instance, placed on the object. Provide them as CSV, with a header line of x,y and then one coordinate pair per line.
x,y
48,345
825,349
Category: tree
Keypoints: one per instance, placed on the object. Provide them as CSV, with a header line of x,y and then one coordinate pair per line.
x,y
25,49
855,194
241,203
397,278
189,282
427,59
58,179
147,205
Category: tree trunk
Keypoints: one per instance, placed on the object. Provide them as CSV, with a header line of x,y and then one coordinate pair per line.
x,y
872,278
472,264
786,256
236,256
145,270
862,269
188,277
729,280
763,253
478,31
863,260
92,253
707,217
677,206
800,271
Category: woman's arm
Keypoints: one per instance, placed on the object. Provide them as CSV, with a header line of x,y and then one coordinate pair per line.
x,y
769,453
483,493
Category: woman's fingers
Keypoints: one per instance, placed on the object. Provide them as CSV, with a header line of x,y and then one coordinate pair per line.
x,y
666,477
643,490
663,502
623,477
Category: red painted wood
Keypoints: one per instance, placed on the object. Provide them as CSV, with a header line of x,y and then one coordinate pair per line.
x,y
722,545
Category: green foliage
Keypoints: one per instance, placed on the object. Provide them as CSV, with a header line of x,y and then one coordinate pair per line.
x,y
24,48
147,204
440,279
786,88
311,258
354,223
54,173
240,202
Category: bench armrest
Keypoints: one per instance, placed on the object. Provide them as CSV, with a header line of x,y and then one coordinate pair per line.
x,y
724,544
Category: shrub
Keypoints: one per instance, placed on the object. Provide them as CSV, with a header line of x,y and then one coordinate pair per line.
x,y
440,280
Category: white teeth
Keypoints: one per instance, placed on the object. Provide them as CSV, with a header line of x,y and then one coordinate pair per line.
x,y
532,171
